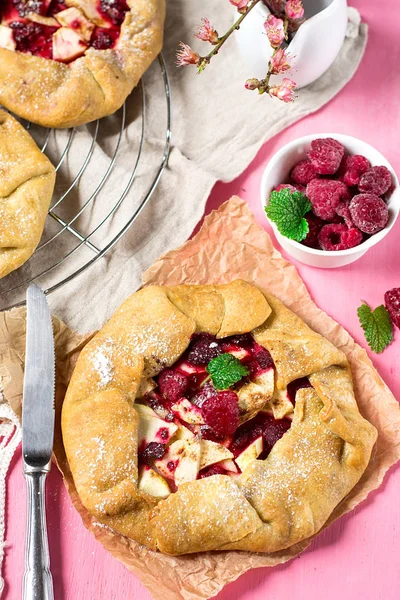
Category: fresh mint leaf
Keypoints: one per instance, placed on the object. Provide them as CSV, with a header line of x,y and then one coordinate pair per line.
x,y
225,370
287,209
377,326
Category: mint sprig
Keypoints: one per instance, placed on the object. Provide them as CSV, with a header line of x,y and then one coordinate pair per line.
x,y
287,209
377,326
225,370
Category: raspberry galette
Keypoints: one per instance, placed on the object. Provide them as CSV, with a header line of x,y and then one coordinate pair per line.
x,y
211,418
64,63
27,180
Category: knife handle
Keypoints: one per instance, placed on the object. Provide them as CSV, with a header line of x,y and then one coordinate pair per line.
x,y
37,581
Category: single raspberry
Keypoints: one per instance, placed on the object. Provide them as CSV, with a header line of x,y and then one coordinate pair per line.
x,y
262,360
205,392
203,348
325,195
392,303
352,167
242,340
151,452
172,384
337,236
296,385
315,225
303,172
274,429
115,10
369,213
221,412
344,212
326,155
376,180
212,470
103,38
295,187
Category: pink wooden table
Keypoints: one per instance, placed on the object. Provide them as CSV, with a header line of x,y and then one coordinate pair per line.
x,y
359,556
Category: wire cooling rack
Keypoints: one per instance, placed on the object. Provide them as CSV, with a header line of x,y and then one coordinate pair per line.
x,y
106,173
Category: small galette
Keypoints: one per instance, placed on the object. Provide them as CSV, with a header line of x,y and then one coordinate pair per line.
x,y
212,417
67,62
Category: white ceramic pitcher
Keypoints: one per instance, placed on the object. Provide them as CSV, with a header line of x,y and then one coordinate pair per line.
x,y
314,46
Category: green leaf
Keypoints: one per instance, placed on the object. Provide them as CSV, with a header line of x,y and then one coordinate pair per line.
x,y
225,370
377,326
287,209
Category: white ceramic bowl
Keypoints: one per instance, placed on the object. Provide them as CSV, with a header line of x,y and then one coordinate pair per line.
x,y
314,47
277,171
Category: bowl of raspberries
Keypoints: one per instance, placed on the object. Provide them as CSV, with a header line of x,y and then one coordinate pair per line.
x,y
329,198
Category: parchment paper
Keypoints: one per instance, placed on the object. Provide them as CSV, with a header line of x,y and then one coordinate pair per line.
x,y
229,245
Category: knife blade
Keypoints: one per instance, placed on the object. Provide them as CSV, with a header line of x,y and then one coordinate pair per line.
x,y
38,417
38,396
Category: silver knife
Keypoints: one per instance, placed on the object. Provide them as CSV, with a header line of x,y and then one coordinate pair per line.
x,y
37,442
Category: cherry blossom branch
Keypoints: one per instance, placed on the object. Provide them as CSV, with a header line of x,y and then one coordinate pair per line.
x,y
288,15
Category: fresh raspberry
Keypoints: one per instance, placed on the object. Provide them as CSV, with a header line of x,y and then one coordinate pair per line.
x,y
172,384
203,348
336,236
325,195
296,385
273,430
203,394
326,155
352,167
369,213
303,172
151,452
315,225
221,412
392,303
211,470
344,212
295,187
376,180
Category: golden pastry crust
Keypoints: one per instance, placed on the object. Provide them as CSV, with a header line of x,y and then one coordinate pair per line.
x,y
275,502
27,180
54,94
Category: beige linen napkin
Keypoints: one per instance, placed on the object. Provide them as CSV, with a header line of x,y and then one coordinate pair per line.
x,y
218,127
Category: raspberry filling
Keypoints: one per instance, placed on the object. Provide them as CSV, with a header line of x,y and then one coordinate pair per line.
x,y
59,30
185,412
348,196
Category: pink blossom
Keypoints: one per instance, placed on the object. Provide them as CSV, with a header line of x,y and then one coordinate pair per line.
x,y
241,5
252,84
275,31
186,56
206,32
294,9
284,91
280,62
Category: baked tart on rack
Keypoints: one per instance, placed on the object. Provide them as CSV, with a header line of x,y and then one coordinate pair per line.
x,y
64,63
27,180
212,418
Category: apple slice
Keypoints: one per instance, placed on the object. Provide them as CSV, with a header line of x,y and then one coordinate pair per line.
x,y
280,404
212,453
229,466
251,453
186,367
188,412
89,8
189,463
151,482
67,45
183,433
167,464
6,38
76,20
48,21
152,428
253,396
